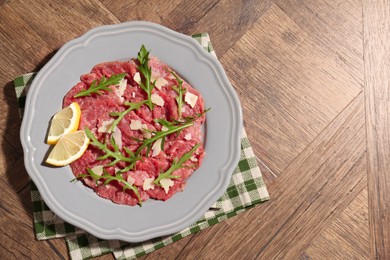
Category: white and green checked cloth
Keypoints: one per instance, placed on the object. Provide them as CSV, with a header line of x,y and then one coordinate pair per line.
x,y
246,189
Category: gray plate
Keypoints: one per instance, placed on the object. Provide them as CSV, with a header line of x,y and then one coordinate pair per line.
x,y
78,204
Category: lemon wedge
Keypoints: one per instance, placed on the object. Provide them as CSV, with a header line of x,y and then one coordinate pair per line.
x,y
69,148
63,122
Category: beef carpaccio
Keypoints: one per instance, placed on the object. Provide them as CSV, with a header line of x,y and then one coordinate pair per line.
x,y
165,138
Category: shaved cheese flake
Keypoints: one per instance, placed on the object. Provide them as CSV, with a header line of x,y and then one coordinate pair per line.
x,y
160,82
98,169
148,184
190,99
122,87
156,99
156,147
105,127
118,137
164,128
158,79
130,180
137,77
135,124
188,136
166,184
193,159
133,95
144,131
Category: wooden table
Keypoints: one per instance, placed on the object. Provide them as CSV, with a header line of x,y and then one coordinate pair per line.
x,y
313,80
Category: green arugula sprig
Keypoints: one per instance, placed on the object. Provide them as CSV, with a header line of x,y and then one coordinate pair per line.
x,y
120,115
103,85
145,84
183,120
109,178
171,128
180,91
175,166
116,154
174,126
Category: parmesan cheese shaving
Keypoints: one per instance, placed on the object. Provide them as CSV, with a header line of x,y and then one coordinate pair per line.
x,y
148,184
135,124
119,90
156,147
156,99
164,128
188,136
98,169
117,137
130,180
193,159
160,82
190,99
137,77
122,87
145,132
105,127
166,184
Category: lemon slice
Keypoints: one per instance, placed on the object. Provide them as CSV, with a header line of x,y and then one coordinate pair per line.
x,y
69,148
65,121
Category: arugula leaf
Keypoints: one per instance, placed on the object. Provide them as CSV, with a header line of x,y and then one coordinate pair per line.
x,y
120,115
187,119
175,166
103,85
109,178
161,134
116,154
174,126
180,91
145,84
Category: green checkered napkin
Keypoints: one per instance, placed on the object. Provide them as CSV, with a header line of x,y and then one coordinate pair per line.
x,y
246,189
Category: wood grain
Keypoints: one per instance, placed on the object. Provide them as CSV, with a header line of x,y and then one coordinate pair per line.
x,y
15,61
313,80
377,57
341,31
149,10
225,21
291,82
268,175
347,232
17,240
59,29
10,23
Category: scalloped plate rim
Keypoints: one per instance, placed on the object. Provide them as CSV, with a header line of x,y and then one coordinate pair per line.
x,y
119,233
